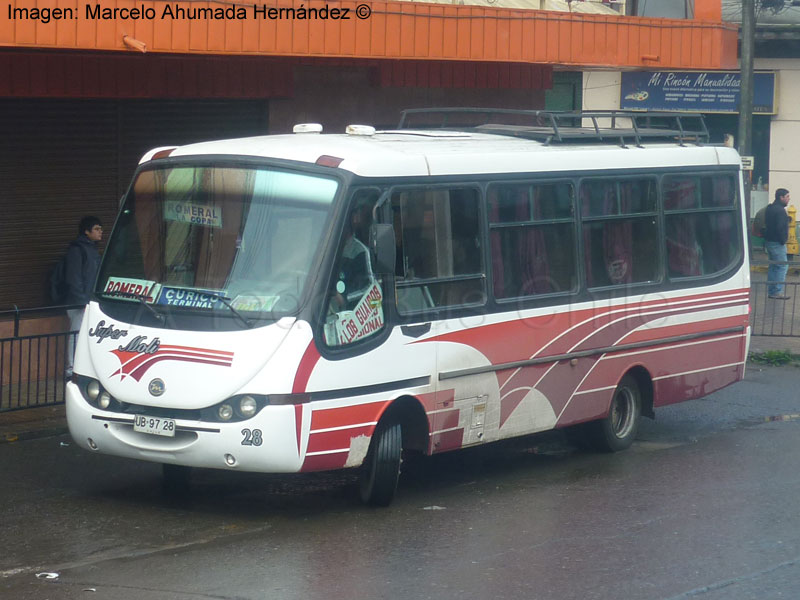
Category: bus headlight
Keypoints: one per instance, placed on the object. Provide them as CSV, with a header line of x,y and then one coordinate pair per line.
x,y
93,390
247,406
104,401
234,409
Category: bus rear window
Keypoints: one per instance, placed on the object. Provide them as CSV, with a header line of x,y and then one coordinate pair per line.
x,y
701,224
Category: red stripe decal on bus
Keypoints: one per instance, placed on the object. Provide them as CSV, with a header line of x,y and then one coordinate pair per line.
x,y
447,419
448,440
347,415
324,462
561,333
326,441
561,379
693,385
307,363
657,333
586,407
431,400
298,423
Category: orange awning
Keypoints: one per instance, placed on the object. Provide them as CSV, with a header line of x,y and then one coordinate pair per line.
x,y
370,30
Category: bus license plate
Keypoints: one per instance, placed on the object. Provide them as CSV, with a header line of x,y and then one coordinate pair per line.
x,y
154,425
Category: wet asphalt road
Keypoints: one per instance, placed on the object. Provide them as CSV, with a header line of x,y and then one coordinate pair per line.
x,y
705,505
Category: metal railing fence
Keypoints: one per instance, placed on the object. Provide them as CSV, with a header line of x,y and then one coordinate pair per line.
x,y
769,316
32,367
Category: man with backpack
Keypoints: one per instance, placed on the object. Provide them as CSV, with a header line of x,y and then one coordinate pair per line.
x,y
80,271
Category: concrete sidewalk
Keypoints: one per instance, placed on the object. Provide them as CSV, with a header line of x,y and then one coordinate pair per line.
x,y
31,423
46,421
763,343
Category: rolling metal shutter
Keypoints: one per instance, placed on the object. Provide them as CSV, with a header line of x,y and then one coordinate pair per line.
x,y
57,164
148,124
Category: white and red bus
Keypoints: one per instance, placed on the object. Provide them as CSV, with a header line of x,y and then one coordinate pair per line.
x,y
308,302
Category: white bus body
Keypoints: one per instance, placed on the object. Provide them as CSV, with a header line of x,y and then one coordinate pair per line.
x,y
469,347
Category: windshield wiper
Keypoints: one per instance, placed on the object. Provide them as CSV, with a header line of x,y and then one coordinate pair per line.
x,y
141,298
227,302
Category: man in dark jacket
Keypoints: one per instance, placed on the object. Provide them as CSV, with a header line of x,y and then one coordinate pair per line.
x,y
776,233
80,271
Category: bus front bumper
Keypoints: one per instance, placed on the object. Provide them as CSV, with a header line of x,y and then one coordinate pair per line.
x,y
266,443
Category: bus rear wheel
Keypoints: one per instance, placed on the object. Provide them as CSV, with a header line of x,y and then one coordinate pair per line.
x,y
381,469
618,430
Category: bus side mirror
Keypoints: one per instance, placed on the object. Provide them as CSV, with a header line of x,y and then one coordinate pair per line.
x,y
381,242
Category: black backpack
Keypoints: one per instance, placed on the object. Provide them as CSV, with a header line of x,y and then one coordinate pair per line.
x,y
57,282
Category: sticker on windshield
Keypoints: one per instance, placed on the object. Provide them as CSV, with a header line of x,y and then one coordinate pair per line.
x,y
190,297
251,302
188,212
132,289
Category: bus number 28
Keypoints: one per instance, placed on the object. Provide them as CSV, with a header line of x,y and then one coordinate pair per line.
x,y
252,437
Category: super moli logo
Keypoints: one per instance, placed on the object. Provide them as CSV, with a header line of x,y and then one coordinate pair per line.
x,y
141,353
102,331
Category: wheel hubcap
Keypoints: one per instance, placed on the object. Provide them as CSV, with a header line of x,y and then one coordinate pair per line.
x,y
622,413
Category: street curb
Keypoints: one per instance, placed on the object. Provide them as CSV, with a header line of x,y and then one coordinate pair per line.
x,y
10,438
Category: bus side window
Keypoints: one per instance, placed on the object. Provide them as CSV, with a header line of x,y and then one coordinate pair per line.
x,y
701,224
355,301
439,249
532,239
620,234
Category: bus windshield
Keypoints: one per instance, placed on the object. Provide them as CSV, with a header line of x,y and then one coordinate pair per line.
x,y
217,239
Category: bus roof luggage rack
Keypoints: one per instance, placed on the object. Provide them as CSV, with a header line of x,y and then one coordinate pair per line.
x,y
622,126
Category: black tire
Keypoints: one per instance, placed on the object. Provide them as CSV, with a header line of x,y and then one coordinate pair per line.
x,y
618,430
175,479
381,469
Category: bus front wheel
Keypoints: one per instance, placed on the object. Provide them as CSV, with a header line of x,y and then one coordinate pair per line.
x,y
381,469
617,430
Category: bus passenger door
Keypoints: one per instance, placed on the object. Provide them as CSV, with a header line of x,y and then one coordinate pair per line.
x,y
439,274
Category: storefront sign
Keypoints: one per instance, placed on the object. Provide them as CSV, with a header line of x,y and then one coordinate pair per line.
x,y
702,91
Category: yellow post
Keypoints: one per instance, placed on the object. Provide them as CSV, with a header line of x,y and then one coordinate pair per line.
x,y
791,242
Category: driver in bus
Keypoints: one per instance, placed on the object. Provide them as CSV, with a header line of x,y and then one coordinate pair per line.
x,y
355,270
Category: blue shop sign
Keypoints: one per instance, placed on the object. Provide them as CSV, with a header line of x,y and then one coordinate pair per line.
x,y
697,91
